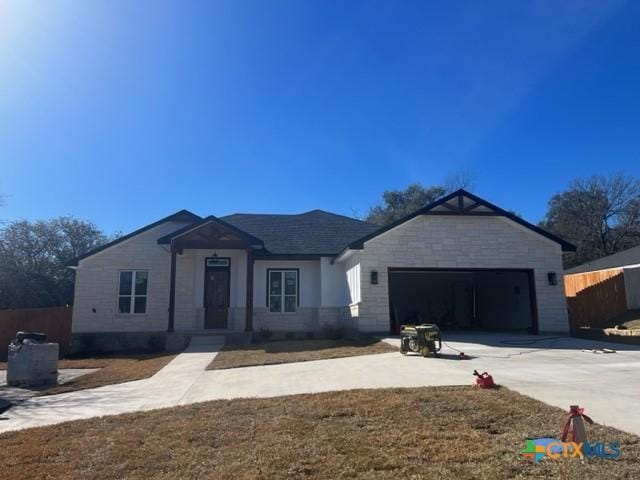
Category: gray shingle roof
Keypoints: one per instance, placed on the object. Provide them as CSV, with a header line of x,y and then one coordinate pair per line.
x,y
630,256
312,233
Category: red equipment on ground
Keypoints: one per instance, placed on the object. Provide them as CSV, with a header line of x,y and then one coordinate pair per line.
x,y
483,380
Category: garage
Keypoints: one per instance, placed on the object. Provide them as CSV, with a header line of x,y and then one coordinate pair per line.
x,y
462,263
463,299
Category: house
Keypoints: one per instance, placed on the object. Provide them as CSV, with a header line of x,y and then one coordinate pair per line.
x,y
460,262
600,290
629,258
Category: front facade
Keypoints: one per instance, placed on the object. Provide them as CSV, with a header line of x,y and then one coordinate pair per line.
x,y
460,262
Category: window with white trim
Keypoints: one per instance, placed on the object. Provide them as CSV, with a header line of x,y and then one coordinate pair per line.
x,y
132,291
282,290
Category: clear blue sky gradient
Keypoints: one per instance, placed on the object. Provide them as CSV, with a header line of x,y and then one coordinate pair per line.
x,y
122,112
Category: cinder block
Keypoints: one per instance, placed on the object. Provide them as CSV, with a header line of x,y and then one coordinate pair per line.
x,y
32,364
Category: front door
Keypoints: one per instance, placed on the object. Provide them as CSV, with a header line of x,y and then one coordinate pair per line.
x,y
216,297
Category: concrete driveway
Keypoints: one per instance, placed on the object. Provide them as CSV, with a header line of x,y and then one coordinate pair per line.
x,y
558,372
554,370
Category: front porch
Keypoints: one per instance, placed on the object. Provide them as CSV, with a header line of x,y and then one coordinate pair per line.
x,y
222,280
211,278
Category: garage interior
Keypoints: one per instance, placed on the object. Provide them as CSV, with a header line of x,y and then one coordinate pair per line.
x,y
463,299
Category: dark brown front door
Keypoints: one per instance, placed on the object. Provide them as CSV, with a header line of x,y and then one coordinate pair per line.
x,y
216,297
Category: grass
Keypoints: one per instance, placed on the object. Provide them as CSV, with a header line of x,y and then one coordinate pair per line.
x,y
113,369
435,432
270,353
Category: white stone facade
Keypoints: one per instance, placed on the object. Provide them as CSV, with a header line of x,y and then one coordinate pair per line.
x,y
96,289
331,293
458,242
95,307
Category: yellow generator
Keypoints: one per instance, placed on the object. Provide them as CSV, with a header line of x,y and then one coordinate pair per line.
x,y
423,339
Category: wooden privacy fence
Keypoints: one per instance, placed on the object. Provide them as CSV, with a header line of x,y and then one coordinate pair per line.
x,y
594,298
54,321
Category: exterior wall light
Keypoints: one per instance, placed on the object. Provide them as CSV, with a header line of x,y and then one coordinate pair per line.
x,y
374,277
552,278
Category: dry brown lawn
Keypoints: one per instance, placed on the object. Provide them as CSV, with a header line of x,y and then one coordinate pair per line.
x,y
115,369
270,353
436,432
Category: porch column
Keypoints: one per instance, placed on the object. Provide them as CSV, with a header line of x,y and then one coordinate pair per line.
x,y
172,290
248,326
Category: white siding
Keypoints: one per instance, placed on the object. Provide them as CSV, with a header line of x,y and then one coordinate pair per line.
x,y
632,287
306,316
352,268
460,242
333,284
309,281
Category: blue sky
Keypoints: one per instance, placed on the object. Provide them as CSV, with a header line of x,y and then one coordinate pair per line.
x,y
123,112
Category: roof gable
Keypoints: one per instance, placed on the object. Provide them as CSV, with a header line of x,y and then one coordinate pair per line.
x,y
462,202
180,216
211,228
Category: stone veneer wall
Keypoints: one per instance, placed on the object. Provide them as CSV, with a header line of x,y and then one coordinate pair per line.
x,y
460,242
304,320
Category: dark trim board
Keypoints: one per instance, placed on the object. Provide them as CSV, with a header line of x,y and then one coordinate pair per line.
x,y
261,256
453,211
182,215
530,276
456,269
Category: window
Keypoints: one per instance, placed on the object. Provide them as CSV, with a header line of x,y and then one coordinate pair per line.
x,y
132,291
282,290
217,262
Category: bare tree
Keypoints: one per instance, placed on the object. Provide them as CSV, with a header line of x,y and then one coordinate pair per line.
x,y
599,214
464,178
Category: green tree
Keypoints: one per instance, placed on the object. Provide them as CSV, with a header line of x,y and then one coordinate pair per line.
x,y
34,257
399,203
598,214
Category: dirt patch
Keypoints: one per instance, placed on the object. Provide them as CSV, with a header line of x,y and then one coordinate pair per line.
x,y
116,369
270,353
438,432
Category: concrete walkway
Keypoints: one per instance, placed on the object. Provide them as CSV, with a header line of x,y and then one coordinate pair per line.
x,y
17,395
553,370
165,389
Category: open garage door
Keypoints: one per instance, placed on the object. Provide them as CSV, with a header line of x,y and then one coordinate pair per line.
x,y
463,299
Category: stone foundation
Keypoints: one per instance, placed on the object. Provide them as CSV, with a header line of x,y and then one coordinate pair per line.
x,y
127,342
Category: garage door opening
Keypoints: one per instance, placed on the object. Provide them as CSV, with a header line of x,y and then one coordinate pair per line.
x,y
463,299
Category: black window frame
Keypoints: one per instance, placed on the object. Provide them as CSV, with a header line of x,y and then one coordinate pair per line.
x,y
132,295
283,270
